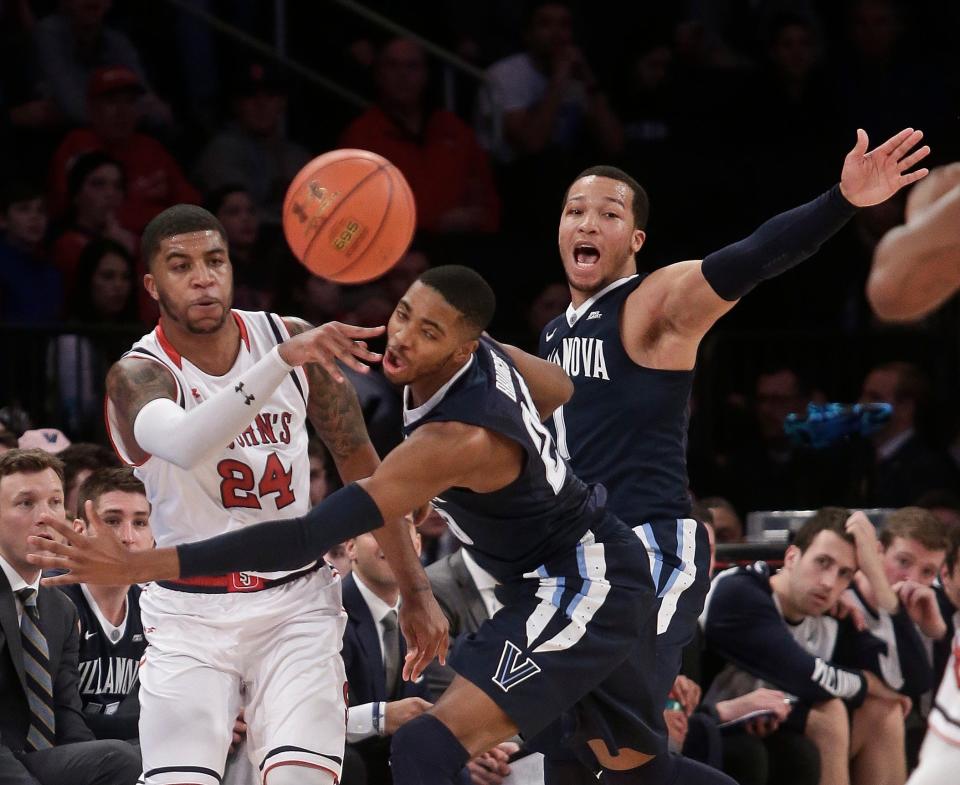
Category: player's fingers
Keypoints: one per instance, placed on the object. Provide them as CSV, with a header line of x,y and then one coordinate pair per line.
x,y
352,331
330,366
360,350
60,580
912,177
44,546
443,649
860,148
893,142
66,531
914,157
906,145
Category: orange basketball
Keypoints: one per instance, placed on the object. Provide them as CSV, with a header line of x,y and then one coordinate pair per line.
x,y
349,216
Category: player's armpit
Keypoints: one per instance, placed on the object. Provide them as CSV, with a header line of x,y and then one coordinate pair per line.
x,y
335,414
668,314
132,383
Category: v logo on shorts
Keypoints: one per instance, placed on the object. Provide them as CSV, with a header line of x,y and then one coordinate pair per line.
x,y
510,671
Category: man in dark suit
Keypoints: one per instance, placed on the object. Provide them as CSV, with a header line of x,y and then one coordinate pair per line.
x,y
373,653
43,737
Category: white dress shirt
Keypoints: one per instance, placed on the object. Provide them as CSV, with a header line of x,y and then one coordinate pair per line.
x,y
485,583
16,583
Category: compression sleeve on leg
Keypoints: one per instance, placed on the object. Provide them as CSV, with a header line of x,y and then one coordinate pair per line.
x,y
777,245
272,546
184,438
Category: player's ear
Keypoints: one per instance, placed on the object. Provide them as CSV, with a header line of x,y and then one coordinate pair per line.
x,y
150,284
638,239
792,556
463,352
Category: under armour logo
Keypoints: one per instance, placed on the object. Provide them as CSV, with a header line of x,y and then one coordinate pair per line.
x,y
510,671
246,398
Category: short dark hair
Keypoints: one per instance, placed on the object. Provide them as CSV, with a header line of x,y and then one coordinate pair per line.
x,y
81,456
87,164
914,523
29,462
832,519
104,481
912,383
641,202
80,304
466,291
179,219
953,548
17,190
944,498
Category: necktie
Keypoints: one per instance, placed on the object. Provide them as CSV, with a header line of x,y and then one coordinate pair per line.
x,y
391,651
36,661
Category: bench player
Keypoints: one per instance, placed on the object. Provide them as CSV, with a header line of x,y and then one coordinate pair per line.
x,y
629,343
576,590
210,407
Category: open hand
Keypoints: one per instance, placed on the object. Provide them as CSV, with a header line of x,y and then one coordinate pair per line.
x,y
330,342
872,177
97,556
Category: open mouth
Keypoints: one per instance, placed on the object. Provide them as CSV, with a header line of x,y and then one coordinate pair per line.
x,y
586,255
393,362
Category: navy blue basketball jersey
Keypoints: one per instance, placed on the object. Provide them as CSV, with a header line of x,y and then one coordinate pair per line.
x,y
546,510
109,661
626,424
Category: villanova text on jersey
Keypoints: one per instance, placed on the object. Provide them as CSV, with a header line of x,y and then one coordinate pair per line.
x,y
626,424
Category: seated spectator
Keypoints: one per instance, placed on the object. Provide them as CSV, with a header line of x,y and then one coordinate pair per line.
x,y
259,264
422,141
154,180
80,460
727,525
948,600
253,150
944,504
74,42
892,589
104,296
112,641
901,466
373,654
43,735
773,631
31,289
95,189
548,95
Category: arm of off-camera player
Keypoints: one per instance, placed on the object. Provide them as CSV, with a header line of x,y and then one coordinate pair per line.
x,y
916,267
686,299
144,394
549,385
422,467
744,627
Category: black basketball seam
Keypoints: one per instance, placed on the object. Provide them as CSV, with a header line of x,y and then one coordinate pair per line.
x,y
333,212
373,239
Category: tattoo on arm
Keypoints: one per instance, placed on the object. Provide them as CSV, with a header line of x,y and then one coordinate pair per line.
x,y
132,383
333,409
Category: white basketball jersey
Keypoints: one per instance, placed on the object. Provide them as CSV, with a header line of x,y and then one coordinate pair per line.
x,y
945,714
263,474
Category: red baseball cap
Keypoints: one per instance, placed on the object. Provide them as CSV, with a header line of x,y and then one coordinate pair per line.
x,y
111,79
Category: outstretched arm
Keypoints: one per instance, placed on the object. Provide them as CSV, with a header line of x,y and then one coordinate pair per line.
x,y
916,267
549,385
675,306
335,413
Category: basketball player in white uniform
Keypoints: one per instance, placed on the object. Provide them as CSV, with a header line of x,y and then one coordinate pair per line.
x,y
916,268
210,407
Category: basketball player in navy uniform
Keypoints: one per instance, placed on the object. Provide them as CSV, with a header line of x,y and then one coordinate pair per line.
x,y
629,343
111,634
574,581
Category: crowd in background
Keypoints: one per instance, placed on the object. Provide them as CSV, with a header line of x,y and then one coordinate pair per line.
x,y
727,112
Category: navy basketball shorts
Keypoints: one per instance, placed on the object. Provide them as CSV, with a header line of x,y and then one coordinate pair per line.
x,y
678,550
567,640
